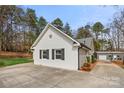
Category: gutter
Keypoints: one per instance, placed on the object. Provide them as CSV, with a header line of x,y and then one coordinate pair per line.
x,y
78,60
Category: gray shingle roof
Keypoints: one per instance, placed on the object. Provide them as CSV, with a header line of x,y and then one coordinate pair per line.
x,y
86,41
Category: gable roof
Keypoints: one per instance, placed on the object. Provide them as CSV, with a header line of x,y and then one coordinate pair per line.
x,y
45,29
76,43
87,41
82,45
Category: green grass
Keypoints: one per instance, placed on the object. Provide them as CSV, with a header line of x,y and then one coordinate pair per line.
x,y
13,61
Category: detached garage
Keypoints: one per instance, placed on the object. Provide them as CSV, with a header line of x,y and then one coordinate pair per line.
x,y
110,55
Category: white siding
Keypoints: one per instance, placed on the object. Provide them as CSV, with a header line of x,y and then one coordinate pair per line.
x,y
82,57
57,41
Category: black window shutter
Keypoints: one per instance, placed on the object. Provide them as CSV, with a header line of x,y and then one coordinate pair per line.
x,y
53,54
47,54
63,54
40,54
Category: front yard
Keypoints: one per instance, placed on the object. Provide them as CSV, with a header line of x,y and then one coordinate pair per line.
x,y
7,61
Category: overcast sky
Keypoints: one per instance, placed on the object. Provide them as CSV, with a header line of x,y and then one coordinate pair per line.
x,y
77,16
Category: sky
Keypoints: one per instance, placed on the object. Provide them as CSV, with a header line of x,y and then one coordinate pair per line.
x,y
76,16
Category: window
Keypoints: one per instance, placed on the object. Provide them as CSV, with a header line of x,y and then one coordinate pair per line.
x,y
58,54
44,54
110,55
50,36
118,57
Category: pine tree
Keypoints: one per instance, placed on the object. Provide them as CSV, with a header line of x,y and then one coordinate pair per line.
x,y
58,23
68,30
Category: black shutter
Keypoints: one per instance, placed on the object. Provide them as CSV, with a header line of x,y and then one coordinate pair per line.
x,y
63,54
47,54
53,54
40,54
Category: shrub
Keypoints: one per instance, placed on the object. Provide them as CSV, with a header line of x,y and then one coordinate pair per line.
x,y
88,59
93,59
1,64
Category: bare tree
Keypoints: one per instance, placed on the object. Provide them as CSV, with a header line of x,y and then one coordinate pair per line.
x,y
117,28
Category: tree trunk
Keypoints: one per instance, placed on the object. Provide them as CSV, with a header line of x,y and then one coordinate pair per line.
x,y
118,43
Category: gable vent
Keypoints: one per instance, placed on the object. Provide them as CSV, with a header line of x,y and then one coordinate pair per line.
x,y
50,36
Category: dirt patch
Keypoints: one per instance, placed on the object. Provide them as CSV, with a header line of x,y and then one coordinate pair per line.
x,y
119,63
15,54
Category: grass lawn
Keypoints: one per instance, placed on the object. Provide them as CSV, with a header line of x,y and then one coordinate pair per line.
x,y
12,61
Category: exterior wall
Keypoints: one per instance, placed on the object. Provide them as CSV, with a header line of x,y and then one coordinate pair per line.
x,y
121,55
82,56
92,47
118,58
56,42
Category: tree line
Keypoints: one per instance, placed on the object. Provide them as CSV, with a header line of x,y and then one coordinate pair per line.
x,y
20,27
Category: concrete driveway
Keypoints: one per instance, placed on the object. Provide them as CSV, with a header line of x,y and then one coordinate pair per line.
x,y
29,75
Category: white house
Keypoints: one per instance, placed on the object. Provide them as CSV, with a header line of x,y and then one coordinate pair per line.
x,y
56,49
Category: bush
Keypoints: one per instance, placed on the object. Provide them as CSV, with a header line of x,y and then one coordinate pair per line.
x,y
93,59
88,59
1,64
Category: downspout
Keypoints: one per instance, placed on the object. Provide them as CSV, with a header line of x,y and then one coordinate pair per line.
x,y
78,60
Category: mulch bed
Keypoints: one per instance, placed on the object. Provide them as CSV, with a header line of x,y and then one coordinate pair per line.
x,y
119,63
88,68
